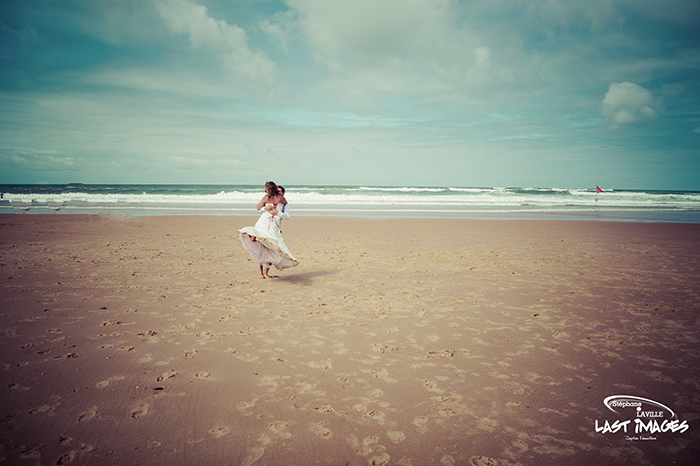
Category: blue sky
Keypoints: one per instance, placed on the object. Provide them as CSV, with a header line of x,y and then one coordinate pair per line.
x,y
540,93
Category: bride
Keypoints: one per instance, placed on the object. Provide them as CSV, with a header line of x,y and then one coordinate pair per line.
x,y
264,241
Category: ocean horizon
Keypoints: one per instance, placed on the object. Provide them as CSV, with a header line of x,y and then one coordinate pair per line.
x,y
358,201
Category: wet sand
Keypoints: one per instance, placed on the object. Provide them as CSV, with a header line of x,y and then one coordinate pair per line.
x,y
151,340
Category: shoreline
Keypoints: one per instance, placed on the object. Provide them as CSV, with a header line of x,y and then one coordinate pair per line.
x,y
624,216
399,341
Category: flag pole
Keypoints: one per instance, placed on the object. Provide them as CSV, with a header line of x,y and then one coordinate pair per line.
x,y
597,191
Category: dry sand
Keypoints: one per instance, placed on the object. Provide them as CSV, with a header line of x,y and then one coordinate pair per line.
x,y
151,340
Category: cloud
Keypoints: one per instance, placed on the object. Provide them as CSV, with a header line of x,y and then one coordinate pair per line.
x,y
184,162
280,28
249,69
395,46
554,16
24,34
120,23
369,30
672,90
629,104
29,160
168,79
677,12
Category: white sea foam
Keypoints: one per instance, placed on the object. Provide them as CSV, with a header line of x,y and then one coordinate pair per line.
x,y
341,200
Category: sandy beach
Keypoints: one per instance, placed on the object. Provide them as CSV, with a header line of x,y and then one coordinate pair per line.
x,y
151,340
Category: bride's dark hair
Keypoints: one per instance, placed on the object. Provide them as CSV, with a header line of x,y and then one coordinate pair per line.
x,y
271,189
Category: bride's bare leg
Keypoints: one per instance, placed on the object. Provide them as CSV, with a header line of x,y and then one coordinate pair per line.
x,y
267,272
262,274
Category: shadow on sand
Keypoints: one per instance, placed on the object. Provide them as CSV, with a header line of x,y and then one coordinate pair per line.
x,y
304,278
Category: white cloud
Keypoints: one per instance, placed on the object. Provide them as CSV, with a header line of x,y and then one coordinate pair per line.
x,y
29,160
158,79
120,23
368,30
249,69
395,45
280,28
627,104
558,15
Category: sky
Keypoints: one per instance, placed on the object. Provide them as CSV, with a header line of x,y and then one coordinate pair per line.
x,y
482,93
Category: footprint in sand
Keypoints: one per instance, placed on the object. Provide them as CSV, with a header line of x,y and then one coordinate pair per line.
x,y
111,322
88,415
359,409
139,411
442,353
279,428
73,454
380,460
376,415
150,333
269,381
431,386
520,446
202,375
190,354
244,405
321,431
67,457
489,425
384,374
166,375
369,446
33,454
245,357
447,412
483,461
219,431
326,409
40,409
420,422
104,383
381,349
258,452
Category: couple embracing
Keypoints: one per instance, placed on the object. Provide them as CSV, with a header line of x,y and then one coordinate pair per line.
x,y
264,241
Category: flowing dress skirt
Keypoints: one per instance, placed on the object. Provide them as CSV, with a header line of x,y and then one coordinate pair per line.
x,y
268,248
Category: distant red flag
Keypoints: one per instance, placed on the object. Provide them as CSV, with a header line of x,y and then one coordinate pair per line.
x,y
598,190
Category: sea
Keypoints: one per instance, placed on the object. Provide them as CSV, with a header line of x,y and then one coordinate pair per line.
x,y
452,202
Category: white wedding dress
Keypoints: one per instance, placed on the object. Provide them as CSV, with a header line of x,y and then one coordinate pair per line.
x,y
264,241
